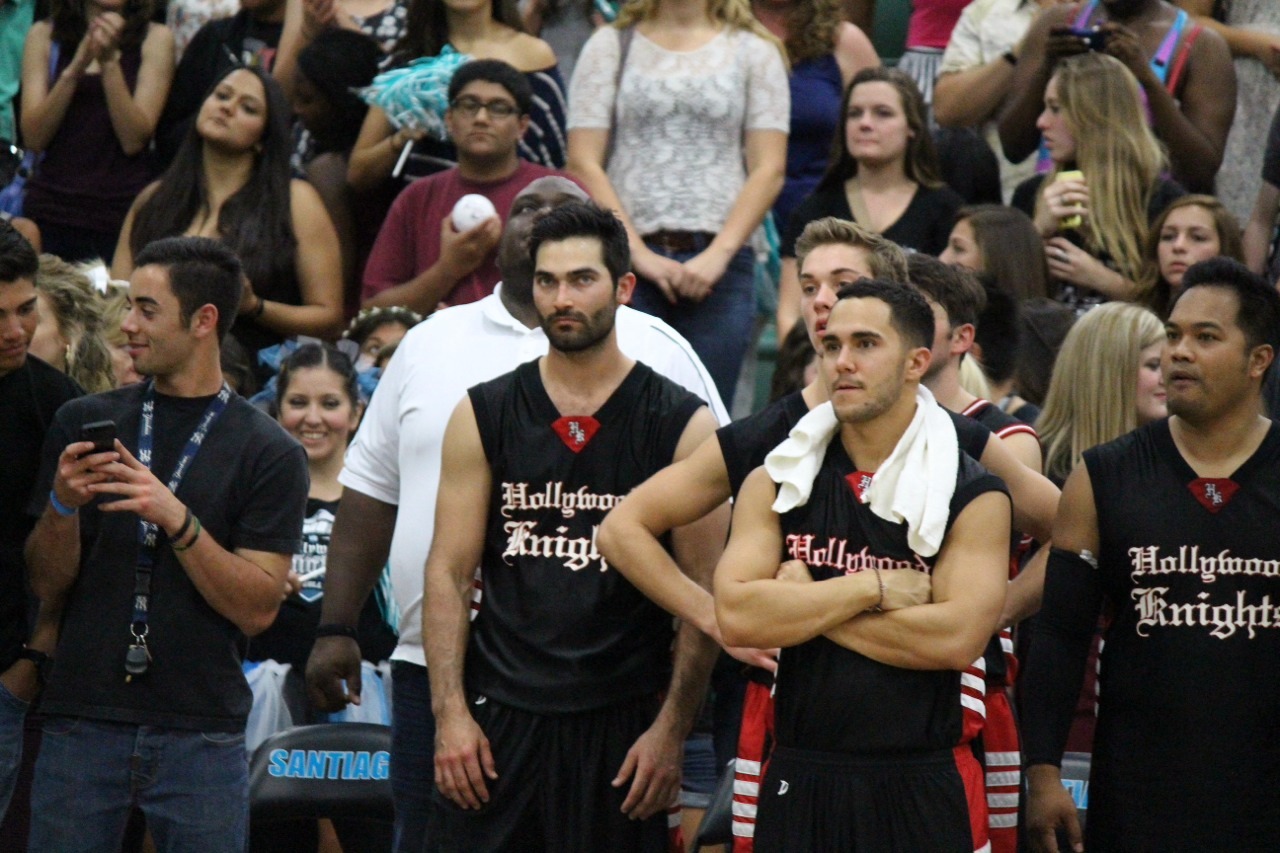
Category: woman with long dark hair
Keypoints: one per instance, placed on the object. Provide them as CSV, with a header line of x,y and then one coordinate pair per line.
x,y
883,174
94,81
231,180
1003,243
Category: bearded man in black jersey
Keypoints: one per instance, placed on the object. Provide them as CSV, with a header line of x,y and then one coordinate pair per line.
x,y
560,712
876,618
1173,527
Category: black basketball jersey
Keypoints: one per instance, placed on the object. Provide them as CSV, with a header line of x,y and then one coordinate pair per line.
x,y
559,630
996,420
835,700
745,443
1187,746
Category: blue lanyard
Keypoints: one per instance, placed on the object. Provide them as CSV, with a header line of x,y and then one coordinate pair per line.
x,y
139,656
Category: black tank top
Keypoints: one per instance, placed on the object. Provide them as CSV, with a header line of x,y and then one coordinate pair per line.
x,y
559,630
835,700
1187,749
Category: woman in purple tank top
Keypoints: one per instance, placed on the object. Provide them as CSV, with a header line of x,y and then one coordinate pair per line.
x,y
94,81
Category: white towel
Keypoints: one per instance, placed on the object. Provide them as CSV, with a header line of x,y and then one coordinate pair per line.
x,y
914,485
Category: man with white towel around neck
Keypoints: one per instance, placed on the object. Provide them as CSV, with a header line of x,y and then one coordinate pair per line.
x,y
886,595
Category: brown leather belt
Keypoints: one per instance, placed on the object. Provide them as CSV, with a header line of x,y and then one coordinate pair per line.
x,y
679,241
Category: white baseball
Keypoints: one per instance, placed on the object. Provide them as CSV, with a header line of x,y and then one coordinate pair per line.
x,y
471,210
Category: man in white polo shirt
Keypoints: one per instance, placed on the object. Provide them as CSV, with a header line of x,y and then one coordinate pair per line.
x,y
395,461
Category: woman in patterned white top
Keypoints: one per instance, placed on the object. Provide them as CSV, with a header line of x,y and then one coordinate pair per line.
x,y
698,121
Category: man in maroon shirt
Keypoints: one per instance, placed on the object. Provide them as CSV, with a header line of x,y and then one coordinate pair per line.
x,y
419,259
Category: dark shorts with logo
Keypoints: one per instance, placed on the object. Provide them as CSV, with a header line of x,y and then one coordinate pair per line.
x,y
883,804
553,790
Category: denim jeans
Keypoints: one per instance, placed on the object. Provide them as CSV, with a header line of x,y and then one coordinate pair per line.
x,y
413,750
193,787
720,327
13,713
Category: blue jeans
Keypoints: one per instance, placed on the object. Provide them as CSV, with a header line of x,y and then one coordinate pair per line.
x,y
193,787
720,327
13,713
413,752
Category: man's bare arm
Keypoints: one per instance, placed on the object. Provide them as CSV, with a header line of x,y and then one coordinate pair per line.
x,y
655,758
755,609
1035,497
969,581
680,494
462,758
358,548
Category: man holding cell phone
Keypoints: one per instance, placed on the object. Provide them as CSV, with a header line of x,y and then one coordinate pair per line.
x,y
169,513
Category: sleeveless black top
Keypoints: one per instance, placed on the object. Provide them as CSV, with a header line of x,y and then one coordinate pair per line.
x,y
559,630
1187,747
835,700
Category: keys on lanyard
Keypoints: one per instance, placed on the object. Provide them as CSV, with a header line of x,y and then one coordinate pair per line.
x,y
138,658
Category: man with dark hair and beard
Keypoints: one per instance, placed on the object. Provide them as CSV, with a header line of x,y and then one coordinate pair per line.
x,y
560,713
392,476
1185,755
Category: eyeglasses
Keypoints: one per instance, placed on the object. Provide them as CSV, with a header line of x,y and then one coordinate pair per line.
x,y
470,107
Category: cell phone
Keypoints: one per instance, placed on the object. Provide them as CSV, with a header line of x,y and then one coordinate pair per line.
x,y
1094,38
102,434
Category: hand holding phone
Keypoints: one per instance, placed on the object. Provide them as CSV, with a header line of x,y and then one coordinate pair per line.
x,y
102,434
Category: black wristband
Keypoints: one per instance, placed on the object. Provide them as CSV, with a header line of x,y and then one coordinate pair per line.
x,y
182,531
43,662
335,629
257,312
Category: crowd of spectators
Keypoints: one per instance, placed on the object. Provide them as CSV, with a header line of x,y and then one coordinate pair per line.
x,y
329,144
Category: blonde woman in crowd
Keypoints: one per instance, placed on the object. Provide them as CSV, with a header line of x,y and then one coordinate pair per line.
x,y
1095,205
70,334
1106,382
114,308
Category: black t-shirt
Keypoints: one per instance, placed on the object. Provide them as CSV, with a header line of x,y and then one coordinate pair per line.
x,y
924,226
29,397
1186,751
217,48
831,699
558,630
248,486
291,636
